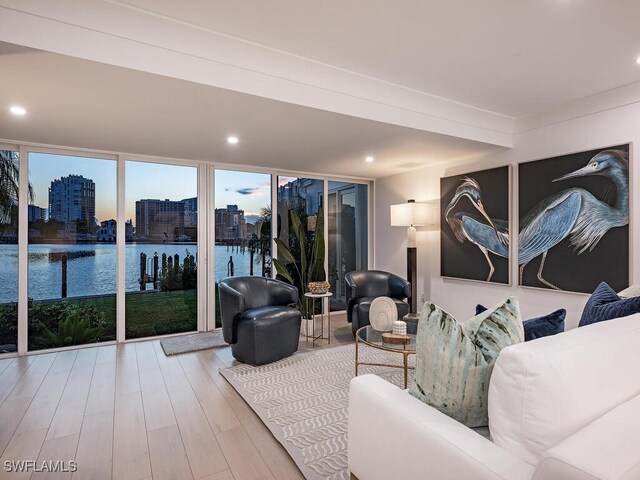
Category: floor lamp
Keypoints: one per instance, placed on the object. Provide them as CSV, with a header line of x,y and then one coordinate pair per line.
x,y
412,215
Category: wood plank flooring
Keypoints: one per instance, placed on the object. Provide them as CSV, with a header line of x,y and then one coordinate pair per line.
x,y
128,412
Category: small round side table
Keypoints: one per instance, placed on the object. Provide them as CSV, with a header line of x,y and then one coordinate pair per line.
x,y
313,336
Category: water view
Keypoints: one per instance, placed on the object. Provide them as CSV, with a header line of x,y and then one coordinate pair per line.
x,y
91,268
72,231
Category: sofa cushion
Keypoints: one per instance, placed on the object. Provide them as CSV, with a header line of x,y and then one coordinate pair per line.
x,y
605,304
454,360
632,291
541,392
538,327
590,453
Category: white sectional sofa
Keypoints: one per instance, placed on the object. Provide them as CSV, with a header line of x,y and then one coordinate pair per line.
x,y
561,407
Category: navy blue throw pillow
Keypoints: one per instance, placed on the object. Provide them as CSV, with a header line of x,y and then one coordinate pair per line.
x,y
539,327
605,304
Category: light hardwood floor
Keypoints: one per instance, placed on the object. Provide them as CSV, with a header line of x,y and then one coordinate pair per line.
x,y
128,412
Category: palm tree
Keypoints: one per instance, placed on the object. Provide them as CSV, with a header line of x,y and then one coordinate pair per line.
x,y
10,186
263,243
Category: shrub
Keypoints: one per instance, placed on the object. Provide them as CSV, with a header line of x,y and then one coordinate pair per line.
x,y
76,329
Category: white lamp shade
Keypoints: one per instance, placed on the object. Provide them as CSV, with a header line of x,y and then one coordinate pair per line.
x,y
413,214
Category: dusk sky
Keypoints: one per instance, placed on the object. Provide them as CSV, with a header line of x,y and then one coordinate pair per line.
x,y
250,191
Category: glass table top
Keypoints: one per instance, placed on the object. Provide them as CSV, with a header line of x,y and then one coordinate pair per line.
x,y
373,337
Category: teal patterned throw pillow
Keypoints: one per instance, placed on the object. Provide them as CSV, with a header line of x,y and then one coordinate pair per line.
x,y
454,360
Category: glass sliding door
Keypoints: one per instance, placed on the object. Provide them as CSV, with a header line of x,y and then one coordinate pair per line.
x,y
9,188
242,224
71,265
347,222
300,203
161,259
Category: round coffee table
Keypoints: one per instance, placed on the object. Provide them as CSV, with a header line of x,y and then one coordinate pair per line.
x,y
372,337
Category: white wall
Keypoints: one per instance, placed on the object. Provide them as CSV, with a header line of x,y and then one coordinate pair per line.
x,y
602,129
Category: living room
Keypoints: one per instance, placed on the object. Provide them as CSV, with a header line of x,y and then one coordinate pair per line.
x,y
202,341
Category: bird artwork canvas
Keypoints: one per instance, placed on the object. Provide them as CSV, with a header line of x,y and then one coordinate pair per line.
x,y
474,238
574,221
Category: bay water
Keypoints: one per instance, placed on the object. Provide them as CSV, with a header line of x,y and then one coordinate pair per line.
x,y
91,268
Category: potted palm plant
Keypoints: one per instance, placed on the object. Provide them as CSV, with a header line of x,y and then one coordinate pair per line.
x,y
301,261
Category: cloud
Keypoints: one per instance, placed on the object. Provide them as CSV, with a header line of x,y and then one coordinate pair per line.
x,y
250,191
246,191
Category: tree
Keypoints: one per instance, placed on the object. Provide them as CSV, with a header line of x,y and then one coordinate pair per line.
x,y
10,186
262,243
302,260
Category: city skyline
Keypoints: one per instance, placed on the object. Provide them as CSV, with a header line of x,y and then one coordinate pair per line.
x,y
250,191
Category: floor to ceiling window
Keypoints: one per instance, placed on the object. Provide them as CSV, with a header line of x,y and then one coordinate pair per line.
x,y
347,222
71,263
9,188
300,216
242,225
73,244
161,258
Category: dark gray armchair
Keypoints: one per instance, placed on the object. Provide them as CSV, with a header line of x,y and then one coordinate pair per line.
x,y
258,318
363,286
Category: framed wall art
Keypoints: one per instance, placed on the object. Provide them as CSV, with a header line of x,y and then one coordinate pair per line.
x,y
474,232
573,215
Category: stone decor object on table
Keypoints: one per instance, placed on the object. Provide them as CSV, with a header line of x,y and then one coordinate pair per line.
x,y
382,314
400,327
605,304
454,360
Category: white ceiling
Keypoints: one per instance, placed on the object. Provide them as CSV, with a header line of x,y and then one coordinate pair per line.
x,y
514,57
464,75
79,103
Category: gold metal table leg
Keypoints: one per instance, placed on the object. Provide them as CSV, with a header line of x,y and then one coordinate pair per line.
x,y
406,364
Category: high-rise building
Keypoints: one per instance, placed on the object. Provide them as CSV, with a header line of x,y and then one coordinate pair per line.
x,y
36,213
190,212
161,220
230,224
72,198
302,193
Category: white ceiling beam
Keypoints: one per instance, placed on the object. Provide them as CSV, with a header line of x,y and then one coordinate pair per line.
x,y
111,33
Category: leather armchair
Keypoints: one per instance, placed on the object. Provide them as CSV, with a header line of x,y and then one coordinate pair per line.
x,y
258,318
363,286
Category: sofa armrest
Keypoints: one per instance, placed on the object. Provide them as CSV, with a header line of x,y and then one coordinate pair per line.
x,y
394,435
607,448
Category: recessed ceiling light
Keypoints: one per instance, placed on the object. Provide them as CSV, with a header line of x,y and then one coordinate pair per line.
x,y
232,139
638,60
369,159
17,110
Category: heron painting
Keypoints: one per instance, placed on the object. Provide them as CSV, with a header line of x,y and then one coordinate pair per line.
x,y
574,221
475,226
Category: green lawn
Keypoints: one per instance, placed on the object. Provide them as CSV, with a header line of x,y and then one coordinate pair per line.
x,y
147,314
160,313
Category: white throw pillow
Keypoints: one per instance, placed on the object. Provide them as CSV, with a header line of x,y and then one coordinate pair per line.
x,y
632,291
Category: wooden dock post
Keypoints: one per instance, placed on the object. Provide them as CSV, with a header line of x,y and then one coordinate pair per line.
x,y
155,270
64,275
143,271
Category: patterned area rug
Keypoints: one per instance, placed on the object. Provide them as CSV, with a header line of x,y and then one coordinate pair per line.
x,y
193,343
303,401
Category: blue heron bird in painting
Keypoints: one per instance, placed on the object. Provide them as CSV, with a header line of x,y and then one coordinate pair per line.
x,y
576,213
489,235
